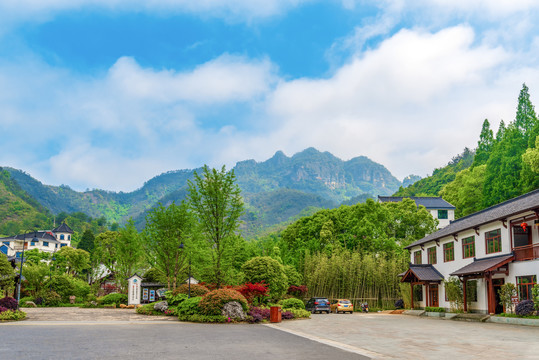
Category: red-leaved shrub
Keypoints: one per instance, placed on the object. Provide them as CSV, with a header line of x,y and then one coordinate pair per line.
x,y
256,291
9,303
297,291
212,303
196,290
2,309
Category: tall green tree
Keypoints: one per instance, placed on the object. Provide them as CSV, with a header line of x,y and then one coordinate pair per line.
x,y
7,274
526,118
87,241
72,261
531,157
484,145
129,253
167,228
215,198
105,251
466,191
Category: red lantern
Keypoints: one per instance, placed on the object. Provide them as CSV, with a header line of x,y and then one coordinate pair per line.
x,y
524,226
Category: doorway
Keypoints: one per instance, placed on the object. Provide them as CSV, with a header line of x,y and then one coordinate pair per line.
x,y
497,284
433,295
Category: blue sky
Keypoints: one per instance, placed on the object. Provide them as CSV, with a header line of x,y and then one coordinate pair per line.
x,y
109,93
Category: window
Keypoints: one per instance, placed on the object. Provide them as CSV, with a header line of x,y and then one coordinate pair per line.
x,y
418,293
69,237
468,247
442,214
471,290
432,254
449,251
417,257
62,237
46,243
493,240
33,243
525,285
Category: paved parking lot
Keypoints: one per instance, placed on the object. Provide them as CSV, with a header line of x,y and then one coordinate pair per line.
x,y
373,335
411,337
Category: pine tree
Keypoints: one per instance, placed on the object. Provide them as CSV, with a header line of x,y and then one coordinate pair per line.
x,y
87,241
501,132
484,145
526,118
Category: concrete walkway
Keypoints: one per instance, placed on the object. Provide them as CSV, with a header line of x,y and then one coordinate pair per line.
x,y
79,315
386,336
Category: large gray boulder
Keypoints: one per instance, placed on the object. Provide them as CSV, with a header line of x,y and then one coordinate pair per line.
x,y
161,306
233,310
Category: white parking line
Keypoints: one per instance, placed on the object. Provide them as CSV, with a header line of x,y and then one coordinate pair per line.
x,y
336,344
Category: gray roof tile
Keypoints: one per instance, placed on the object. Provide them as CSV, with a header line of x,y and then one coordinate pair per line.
x,y
520,204
430,202
480,266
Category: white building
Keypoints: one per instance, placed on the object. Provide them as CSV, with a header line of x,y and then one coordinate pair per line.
x,y
43,240
484,250
438,207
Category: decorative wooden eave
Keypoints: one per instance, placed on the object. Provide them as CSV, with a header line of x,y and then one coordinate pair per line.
x,y
438,243
476,230
422,248
504,223
456,237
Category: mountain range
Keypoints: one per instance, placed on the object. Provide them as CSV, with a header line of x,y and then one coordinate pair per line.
x,y
274,190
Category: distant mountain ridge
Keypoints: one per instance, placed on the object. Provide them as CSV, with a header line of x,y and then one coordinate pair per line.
x,y
273,190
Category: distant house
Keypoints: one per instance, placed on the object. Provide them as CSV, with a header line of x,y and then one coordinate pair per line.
x,y
43,240
438,207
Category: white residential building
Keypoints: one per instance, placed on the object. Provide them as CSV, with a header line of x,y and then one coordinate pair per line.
x,y
484,250
43,240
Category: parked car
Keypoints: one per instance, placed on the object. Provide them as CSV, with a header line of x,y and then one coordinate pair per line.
x,y
341,305
318,304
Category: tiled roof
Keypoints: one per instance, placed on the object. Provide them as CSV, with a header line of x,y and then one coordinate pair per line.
x,y
430,202
520,204
424,272
482,265
63,229
41,235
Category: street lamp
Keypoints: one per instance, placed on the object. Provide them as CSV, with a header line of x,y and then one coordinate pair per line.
x,y
189,279
35,239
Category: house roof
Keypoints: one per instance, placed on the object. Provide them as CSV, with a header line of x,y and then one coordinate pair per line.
x,y
424,272
41,235
430,202
63,229
520,204
482,265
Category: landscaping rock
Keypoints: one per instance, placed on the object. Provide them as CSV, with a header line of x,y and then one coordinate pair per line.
x,y
233,310
161,306
31,303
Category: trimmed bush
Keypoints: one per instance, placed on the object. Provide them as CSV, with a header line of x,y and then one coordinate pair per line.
x,y
434,309
52,298
113,299
267,270
300,313
292,303
189,306
257,314
12,315
147,309
525,308
198,318
196,290
9,303
213,302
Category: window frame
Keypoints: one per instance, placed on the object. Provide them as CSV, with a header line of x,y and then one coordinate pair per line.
x,y
468,243
527,285
494,240
445,216
430,251
449,249
416,253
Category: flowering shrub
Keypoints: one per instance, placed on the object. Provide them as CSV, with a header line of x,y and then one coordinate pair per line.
x,y
212,303
257,314
196,290
9,303
287,315
292,303
297,291
258,291
524,308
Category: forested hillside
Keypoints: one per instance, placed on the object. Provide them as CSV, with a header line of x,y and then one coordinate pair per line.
x,y
503,165
274,190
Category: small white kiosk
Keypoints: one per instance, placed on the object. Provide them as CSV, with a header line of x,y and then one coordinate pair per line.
x,y
133,290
